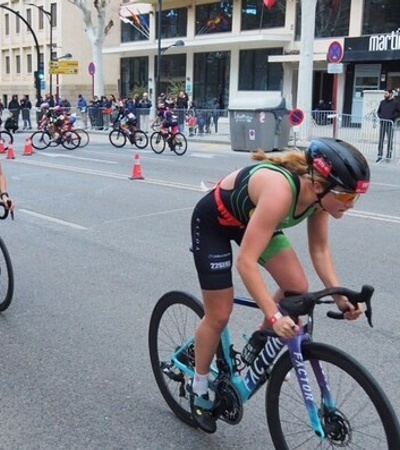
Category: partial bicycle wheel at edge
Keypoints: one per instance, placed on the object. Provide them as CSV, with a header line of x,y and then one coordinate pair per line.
x,y
173,323
363,417
6,277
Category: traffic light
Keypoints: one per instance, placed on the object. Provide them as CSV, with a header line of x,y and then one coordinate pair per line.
x,y
39,77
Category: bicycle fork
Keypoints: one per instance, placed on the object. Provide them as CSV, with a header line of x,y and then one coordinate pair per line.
x,y
294,346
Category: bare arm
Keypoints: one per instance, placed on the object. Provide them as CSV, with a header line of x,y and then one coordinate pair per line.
x,y
4,197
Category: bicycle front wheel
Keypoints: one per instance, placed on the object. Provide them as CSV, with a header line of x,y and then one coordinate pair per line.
x,y
157,142
180,144
173,324
6,277
362,418
117,138
40,140
70,140
140,139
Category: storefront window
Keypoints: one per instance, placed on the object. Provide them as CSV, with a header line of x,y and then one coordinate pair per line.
x,y
134,72
211,79
172,71
173,23
256,73
381,16
257,16
135,28
331,19
214,18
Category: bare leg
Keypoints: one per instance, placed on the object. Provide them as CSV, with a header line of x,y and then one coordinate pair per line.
x,y
217,307
286,270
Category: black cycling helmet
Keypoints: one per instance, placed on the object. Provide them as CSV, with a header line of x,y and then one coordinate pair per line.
x,y
340,163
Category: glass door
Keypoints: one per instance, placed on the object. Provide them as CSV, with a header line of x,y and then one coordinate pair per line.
x,y
366,77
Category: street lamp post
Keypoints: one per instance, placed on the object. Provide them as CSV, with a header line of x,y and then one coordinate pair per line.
x,y
49,15
162,50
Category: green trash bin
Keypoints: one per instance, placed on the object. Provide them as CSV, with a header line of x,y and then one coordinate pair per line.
x,y
259,124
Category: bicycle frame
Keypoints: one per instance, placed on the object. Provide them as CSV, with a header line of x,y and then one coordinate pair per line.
x,y
295,350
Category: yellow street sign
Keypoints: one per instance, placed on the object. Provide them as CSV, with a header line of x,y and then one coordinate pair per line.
x,y
64,70
64,63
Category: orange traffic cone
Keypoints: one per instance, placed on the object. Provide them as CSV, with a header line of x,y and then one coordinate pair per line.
x,y
137,170
2,149
28,147
10,152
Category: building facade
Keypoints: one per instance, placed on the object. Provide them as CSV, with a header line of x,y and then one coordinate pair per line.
x,y
233,49
59,30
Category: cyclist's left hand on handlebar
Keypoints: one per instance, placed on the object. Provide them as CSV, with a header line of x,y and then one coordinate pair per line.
x,y
350,312
285,328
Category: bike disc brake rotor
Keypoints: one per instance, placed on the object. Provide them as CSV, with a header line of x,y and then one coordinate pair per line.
x,y
337,428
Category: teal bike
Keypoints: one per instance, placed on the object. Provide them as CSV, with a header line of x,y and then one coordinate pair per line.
x,y
317,396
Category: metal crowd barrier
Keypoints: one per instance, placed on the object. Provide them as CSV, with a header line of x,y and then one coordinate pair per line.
x,y
361,131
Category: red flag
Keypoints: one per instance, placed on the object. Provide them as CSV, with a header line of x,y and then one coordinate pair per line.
x,y
269,3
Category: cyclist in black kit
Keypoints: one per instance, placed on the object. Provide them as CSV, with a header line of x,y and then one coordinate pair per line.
x,y
251,206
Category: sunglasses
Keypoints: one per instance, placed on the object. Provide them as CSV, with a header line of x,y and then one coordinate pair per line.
x,y
345,197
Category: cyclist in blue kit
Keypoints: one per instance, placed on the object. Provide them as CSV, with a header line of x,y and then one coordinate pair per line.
x,y
252,206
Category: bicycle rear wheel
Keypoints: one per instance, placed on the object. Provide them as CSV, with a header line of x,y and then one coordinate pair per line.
x,y
363,417
70,140
180,144
6,277
140,139
157,142
40,140
117,138
173,323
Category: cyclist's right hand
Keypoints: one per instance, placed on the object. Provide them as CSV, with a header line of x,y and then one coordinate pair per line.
x,y
285,328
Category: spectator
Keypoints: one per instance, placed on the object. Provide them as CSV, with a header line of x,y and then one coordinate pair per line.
x,y
216,111
14,107
144,107
26,106
182,103
82,106
106,111
388,112
11,125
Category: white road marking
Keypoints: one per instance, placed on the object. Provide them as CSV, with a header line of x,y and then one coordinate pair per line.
x,y
52,219
53,155
375,216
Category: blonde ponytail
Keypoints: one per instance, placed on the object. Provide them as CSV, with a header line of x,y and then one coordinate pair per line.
x,y
294,161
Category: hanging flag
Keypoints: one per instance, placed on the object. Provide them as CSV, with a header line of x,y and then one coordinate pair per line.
x,y
134,18
269,3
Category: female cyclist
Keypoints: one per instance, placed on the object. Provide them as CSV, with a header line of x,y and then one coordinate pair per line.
x,y
251,206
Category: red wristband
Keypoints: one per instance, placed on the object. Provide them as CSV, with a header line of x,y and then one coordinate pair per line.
x,y
274,318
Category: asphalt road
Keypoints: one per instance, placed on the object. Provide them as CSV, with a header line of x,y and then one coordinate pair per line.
x,y
93,251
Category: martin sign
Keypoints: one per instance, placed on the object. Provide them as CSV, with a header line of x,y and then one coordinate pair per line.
x,y
378,47
385,42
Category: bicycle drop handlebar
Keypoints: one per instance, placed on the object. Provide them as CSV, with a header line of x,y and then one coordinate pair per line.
x,y
6,211
302,304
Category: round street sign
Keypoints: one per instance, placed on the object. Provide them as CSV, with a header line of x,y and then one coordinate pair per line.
x,y
296,116
335,52
91,68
